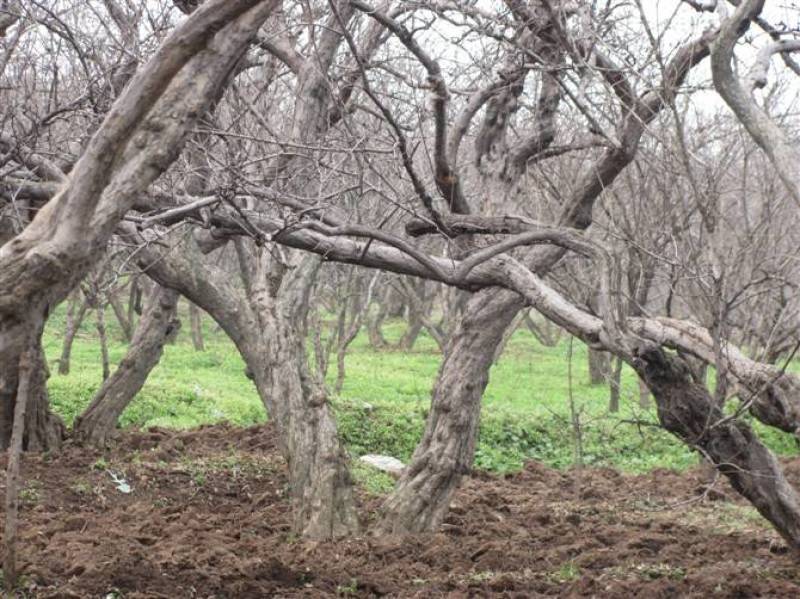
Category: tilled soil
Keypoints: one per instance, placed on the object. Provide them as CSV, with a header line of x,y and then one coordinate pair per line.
x,y
208,517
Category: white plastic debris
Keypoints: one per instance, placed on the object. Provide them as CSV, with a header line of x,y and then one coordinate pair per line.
x,y
121,484
385,463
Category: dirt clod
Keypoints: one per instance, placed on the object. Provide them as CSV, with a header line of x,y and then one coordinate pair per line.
x,y
209,517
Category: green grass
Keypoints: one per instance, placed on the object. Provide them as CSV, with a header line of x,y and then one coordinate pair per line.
x,y
386,397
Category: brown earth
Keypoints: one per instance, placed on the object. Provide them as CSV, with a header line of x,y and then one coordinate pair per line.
x,y
208,517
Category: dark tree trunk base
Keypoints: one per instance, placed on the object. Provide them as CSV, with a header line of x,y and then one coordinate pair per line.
x,y
44,431
687,410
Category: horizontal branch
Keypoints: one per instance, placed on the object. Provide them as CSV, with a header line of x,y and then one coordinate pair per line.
x,y
775,394
469,224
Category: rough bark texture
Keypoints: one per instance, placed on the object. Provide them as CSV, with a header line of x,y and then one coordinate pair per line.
x,y
320,482
267,324
464,375
599,366
688,411
27,367
139,139
158,324
446,451
44,430
197,327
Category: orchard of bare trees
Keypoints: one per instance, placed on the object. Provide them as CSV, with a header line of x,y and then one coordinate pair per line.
x,y
625,174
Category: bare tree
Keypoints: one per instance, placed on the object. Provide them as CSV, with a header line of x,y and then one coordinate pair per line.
x,y
344,136
137,141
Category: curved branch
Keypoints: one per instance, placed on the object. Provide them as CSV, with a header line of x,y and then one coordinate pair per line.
x,y
447,179
764,131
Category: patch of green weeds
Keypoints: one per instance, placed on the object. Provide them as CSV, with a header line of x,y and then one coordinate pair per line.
x,y
373,481
31,493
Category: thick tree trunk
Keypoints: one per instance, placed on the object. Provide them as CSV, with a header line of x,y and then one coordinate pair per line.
x,y
599,366
320,483
687,410
614,386
321,486
98,422
44,431
74,321
42,264
196,327
27,366
268,326
446,451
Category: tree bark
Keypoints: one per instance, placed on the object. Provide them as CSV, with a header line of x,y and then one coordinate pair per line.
x,y
267,324
464,372
138,140
98,422
134,300
197,327
100,312
446,451
44,431
26,373
614,386
321,487
599,366
687,410
73,325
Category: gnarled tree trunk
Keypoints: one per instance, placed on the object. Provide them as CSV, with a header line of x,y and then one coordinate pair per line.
x,y
687,410
319,478
156,326
44,430
446,451
455,409
267,324
138,140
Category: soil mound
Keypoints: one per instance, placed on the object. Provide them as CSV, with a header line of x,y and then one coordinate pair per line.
x,y
208,516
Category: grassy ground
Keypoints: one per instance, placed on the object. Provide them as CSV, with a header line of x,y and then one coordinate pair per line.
x,y
526,410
